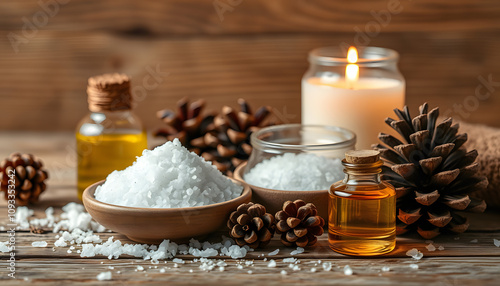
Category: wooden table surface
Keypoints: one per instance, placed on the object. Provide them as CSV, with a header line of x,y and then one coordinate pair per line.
x,y
462,262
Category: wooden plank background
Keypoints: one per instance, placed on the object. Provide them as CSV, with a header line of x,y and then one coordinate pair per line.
x,y
258,51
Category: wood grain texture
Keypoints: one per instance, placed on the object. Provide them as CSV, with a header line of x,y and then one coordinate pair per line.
x,y
462,262
46,80
199,17
258,51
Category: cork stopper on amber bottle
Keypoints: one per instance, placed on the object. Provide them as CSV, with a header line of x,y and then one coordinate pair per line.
x,y
109,92
362,156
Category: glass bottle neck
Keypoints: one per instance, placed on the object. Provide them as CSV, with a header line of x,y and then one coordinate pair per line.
x,y
362,174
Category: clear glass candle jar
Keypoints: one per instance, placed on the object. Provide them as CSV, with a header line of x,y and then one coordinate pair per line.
x,y
357,94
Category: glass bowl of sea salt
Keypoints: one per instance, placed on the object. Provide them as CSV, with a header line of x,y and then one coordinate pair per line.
x,y
295,161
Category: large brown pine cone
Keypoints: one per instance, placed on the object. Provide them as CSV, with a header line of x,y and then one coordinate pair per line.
x,y
432,172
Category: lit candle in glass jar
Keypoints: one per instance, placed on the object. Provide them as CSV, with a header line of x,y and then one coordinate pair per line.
x,y
351,92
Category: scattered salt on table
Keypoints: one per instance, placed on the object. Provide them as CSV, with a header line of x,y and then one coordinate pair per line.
x,y
347,270
415,254
431,247
496,242
386,269
39,244
274,252
299,250
271,263
327,266
296,172
104,276
413,266
4,247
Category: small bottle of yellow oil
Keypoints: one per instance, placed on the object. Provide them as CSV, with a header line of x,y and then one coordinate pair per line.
x,y
110,137
362,208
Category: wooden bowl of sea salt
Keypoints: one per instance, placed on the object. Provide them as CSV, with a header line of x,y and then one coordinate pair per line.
x,y
168,193
153,225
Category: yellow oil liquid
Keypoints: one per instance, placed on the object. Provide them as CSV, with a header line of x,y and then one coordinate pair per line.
x,y
100,155
362,220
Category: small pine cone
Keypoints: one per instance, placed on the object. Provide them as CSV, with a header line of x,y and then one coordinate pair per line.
x,y
189,124
28,175
251,225
299,224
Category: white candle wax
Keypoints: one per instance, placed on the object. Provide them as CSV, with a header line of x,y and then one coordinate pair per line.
x,y
361,107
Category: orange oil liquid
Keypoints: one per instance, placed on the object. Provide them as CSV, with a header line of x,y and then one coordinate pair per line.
x,y
362,219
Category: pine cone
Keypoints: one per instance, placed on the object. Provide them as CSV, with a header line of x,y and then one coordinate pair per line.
x,y
233,135
299,223
28,179
432,173
188,124
251,225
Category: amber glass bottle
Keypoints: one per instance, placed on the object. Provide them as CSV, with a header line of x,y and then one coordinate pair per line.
x,y
362,208
110,137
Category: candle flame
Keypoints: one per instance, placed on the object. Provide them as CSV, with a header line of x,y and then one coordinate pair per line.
x,y
352,55
352,69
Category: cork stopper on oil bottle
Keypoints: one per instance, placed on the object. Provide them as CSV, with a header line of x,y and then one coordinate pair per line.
x,y
362,156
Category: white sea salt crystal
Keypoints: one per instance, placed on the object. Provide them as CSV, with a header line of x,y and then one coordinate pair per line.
x,y
60,242
274,252
4,246
413,266
296,172
166,173
248,262
327,266
178,261
347,270
221,268
313,269
39,244
271,263
296,268
221,263
22,215
104,276
431,247
474,241
283,272
496,242
140,268
234,251
239,266
249,272
441,247
415,254
289,260
386,268
299,250
162,270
